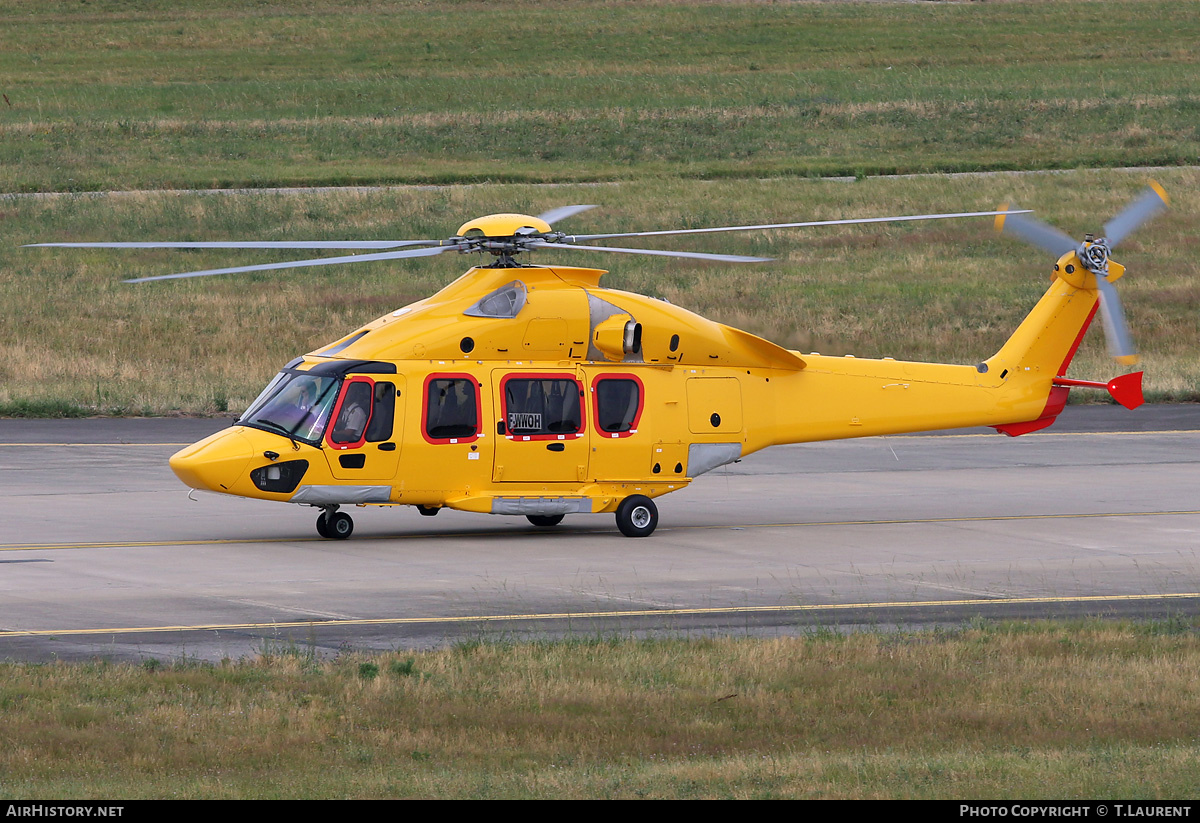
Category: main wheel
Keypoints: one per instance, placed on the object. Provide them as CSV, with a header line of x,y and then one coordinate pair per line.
x,y
339,525
637,516
322,528
544,521
428,511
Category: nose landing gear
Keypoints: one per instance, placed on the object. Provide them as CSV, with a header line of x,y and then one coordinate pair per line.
x,y
335,524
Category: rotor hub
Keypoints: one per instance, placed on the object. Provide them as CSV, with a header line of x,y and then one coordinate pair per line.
x,y
504,236
1094,255
498,226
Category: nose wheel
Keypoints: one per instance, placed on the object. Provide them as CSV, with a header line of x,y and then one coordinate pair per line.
x,y
637,516
335,525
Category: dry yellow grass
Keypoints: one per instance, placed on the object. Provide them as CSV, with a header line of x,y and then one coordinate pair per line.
x,y
947,291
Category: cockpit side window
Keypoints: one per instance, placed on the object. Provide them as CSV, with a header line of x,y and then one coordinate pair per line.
x,y
383,413
353,413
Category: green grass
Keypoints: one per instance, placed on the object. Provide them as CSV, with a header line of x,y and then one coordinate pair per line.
x,y
1086,710
112,95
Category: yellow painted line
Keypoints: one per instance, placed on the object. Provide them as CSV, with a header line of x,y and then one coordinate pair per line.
x,y
29,547
152,543
87,445
491,618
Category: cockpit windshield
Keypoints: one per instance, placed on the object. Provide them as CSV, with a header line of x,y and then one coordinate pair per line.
x,y
294,404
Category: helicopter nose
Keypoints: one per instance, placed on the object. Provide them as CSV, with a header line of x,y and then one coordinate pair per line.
x,y
215,463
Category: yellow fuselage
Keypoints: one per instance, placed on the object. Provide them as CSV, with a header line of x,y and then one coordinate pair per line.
x,y
663,395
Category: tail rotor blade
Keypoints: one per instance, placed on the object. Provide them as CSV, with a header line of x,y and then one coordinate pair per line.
x,y
1036,233
1153,200
1116,330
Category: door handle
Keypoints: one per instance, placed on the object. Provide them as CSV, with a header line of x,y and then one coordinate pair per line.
x,y
387,447
556,447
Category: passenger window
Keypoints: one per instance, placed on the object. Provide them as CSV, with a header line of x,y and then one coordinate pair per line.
x,y
618,404
451,408
539,407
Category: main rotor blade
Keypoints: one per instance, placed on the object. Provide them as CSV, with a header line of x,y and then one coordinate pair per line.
x,y
1037,233
1116,330
1150,203
580,237
295,264
562,213
724,258
252,244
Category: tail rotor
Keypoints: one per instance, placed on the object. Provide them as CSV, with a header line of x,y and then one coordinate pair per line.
x,y
1093,256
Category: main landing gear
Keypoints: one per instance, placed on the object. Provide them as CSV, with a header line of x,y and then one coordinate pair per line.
x,y
335,524
637,516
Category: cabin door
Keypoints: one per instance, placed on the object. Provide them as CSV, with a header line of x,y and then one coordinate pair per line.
x,y
362,443
541,431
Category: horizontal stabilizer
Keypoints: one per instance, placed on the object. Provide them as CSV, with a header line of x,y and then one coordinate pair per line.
x,y
1018,429
1126,389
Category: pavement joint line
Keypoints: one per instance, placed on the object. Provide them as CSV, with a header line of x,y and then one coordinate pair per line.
x,y
24,547
682,612
559,184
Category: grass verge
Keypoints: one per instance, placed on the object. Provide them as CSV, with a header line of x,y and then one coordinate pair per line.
x,y
110,95
1042,710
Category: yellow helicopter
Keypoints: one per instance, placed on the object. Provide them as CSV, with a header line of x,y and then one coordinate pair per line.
x,y
533,390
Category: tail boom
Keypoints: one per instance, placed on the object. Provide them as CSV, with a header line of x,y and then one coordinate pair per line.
x,y
1022,388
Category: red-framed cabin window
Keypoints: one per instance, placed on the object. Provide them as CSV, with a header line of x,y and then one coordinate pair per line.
x,y
542,407
450,410
617,403
352,414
